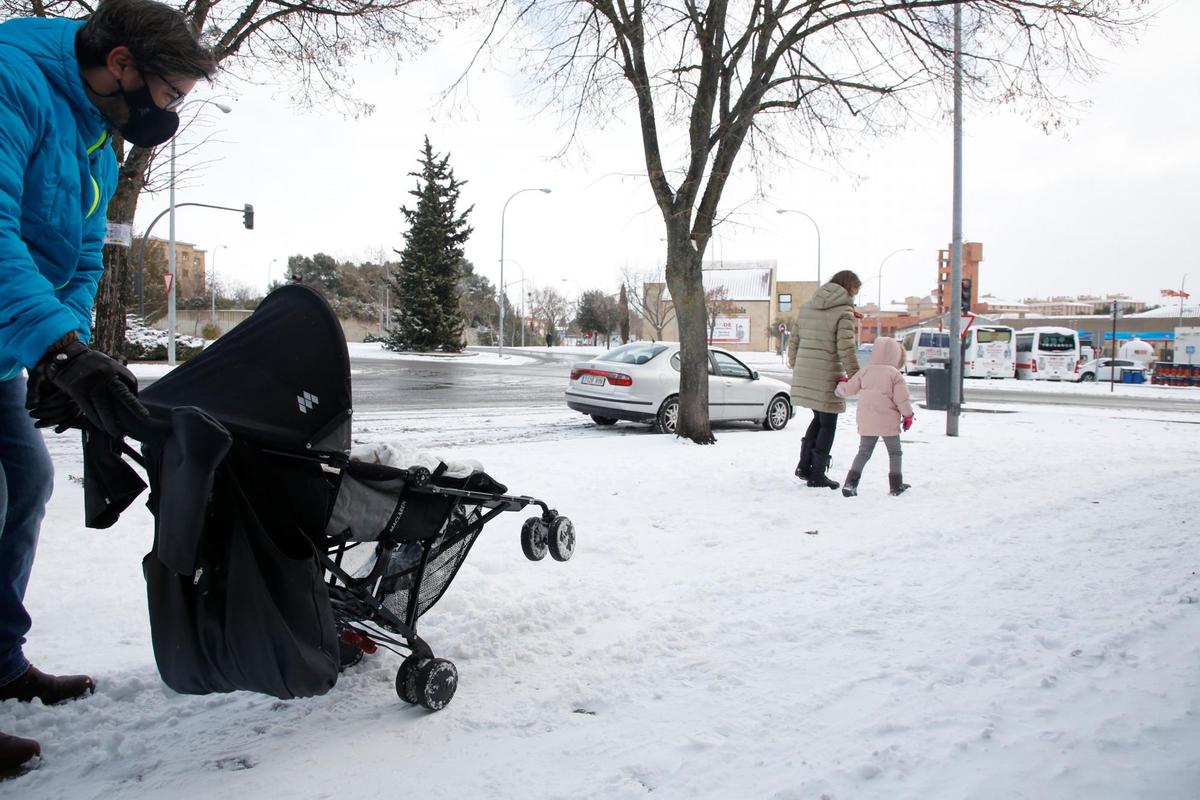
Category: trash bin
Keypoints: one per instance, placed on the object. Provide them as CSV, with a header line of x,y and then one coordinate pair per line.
x,y
937,385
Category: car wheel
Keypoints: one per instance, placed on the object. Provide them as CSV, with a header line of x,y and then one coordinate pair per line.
x,y
668,416
605,421
1087,376
778,414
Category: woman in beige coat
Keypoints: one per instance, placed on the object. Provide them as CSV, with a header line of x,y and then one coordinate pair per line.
x,y
821,353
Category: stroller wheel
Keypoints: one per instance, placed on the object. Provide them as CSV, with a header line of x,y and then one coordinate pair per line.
x,y
437,679
348,655
406,678
562,539
533,539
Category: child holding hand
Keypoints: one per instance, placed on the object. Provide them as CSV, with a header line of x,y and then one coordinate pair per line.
x,y
883,410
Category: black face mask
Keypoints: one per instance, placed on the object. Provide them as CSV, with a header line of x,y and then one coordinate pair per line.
x,y
147,125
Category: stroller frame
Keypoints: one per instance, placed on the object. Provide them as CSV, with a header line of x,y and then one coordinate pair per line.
x,y
359,604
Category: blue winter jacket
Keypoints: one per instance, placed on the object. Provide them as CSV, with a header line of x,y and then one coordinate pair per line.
x,y
57,174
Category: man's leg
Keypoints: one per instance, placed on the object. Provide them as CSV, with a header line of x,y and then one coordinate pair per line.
x,y
27,480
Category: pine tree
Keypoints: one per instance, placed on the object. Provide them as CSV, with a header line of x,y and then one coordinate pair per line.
x,y
426,282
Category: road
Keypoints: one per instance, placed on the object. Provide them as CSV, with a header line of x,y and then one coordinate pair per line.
x,y
390,384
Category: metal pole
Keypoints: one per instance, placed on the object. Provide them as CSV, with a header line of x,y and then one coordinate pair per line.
x,y
1112,362
956,365
501,288
1182,283
171,265
500,341
523,287
213,287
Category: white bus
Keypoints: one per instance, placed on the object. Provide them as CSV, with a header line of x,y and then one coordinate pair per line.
x,y
990,352
922,344
1047,354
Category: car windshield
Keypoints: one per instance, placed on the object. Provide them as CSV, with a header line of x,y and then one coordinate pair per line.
x,y
635,353
1056,342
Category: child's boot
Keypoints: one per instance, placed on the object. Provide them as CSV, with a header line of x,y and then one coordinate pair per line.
x,y
850,487
896,481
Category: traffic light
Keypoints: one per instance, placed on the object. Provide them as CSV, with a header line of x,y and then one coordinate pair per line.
x,y
248,217
966,295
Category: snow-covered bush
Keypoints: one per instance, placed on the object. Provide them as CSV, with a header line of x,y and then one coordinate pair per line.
x,y
150,344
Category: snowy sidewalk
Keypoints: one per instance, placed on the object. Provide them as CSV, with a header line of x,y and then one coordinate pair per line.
x,y
1025,622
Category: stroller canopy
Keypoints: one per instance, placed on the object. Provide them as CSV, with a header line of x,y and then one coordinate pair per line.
x,y
280,379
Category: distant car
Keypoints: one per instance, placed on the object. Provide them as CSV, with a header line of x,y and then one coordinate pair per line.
x,y
640,383
1100,369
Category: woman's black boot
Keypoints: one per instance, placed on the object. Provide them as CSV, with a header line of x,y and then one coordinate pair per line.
x,y
821,462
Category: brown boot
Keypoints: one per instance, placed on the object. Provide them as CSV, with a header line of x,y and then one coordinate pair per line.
x,y
17,755
50,689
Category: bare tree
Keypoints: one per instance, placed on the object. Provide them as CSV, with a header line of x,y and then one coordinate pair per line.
x,y
305,44
646,296
718,304
550,307
710,79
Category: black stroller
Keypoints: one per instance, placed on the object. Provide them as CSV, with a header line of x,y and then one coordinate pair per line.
x,y
259,511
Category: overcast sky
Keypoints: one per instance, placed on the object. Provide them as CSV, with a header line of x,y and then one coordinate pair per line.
x,y
1108,205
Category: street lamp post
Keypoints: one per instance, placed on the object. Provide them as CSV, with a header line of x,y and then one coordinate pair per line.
x,y
1182,295
213,285
524,291
503,212
815,227
171,240
879,290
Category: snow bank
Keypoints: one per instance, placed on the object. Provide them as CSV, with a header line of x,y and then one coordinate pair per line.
x,y
1016,625
376,350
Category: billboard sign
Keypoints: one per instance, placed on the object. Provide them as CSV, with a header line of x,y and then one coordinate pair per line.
x,y
731,330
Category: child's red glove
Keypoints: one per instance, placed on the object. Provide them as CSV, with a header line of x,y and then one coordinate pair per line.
x,y
842,379
908,421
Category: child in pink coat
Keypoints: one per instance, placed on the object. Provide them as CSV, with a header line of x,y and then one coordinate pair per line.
x,y
883,410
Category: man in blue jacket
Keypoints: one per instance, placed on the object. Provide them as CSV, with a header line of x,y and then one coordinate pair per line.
x,y
65,85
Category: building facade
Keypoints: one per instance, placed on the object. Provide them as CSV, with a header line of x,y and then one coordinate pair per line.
x,y
190,266
755,304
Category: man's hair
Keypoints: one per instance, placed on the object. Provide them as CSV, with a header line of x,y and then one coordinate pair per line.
x,y
848,281
161,40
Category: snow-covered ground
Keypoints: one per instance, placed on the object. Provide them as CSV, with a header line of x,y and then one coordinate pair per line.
x,y
1024,623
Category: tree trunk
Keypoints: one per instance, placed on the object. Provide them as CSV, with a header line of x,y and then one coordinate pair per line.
x,y
116,283
687,293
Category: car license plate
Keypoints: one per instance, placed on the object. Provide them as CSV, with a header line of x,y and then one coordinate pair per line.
x,y
592,380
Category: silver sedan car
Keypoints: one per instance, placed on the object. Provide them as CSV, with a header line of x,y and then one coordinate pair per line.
x,y
639,382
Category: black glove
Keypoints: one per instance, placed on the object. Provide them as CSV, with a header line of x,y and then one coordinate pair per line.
x,y
103,389
49,406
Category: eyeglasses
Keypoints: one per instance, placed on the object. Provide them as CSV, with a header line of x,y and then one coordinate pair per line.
x,y
175,103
